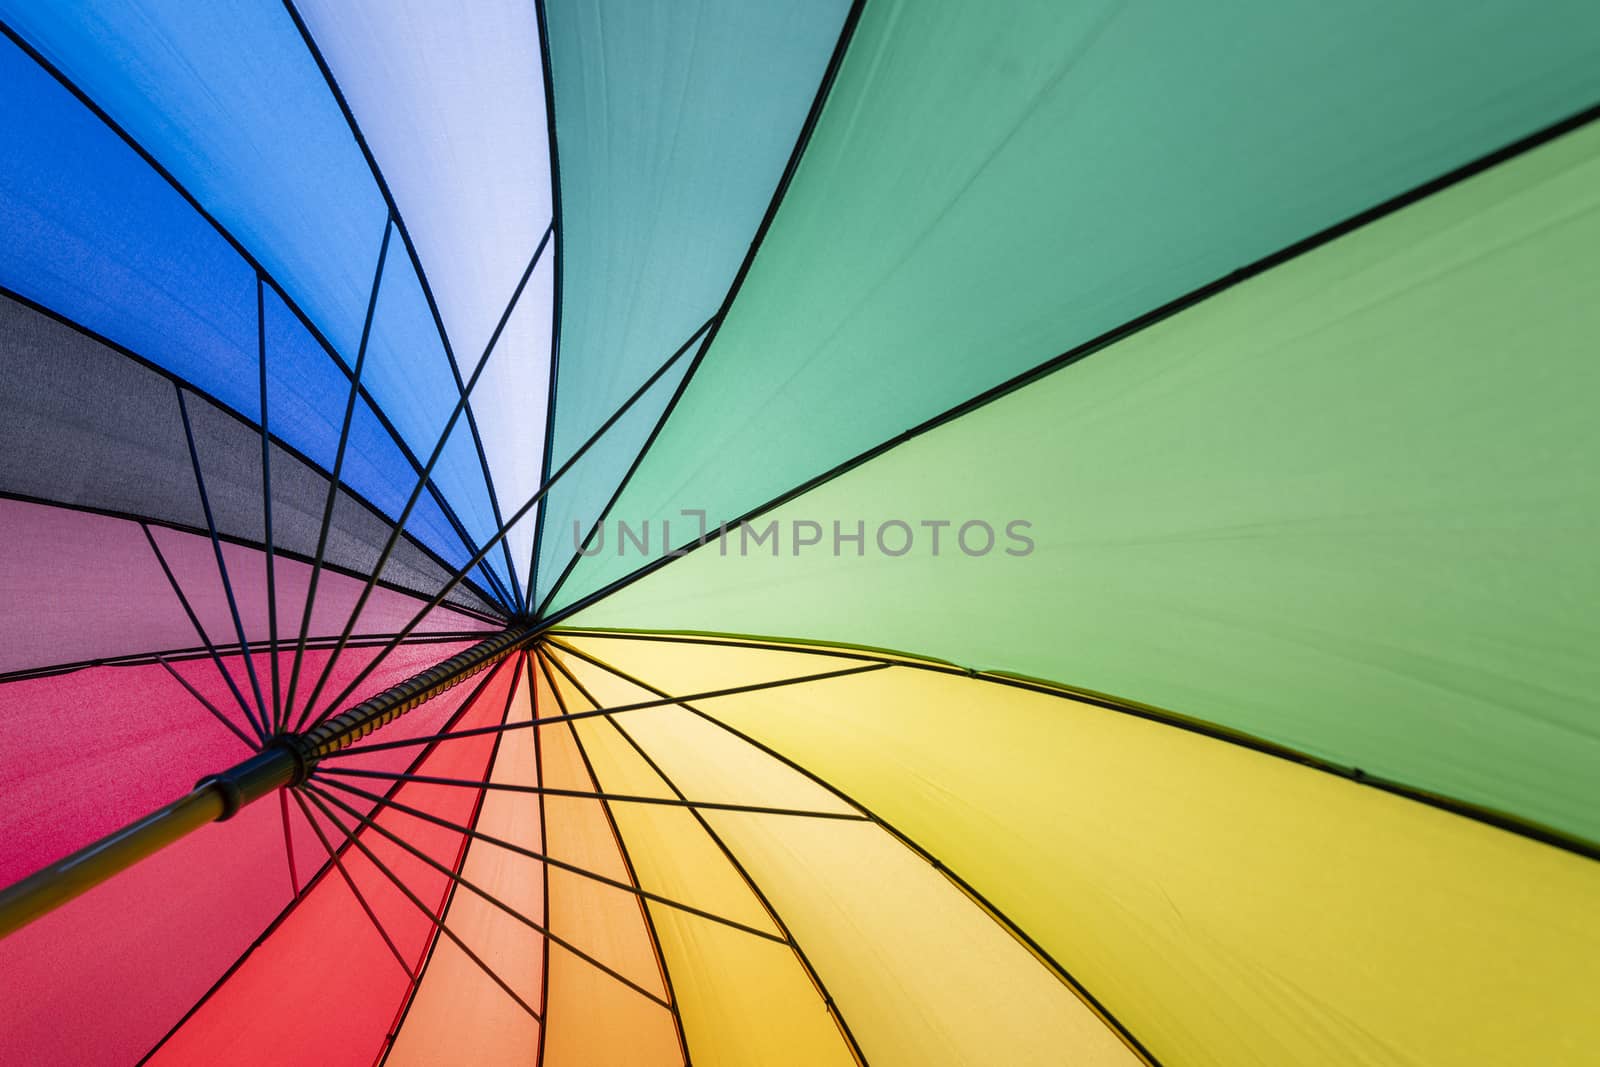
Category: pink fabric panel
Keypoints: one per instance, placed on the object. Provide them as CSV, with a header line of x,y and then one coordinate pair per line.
x,y
194,564
83,753
79,586
103,978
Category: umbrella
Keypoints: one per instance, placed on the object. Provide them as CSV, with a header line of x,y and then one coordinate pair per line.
x,y
604,532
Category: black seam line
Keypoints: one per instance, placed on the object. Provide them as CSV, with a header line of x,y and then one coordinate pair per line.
x,y
316,796
324,871
616,494
222,232
555,315
1496,818
547,720
433,458
225,409
200,631
361,898
338,464
633,876
399,1022
368,821
544,868
1117,334
181,655
584,794
245,542
266,510
222,567
802,141
546,660
212,708
501,533
560,864
411,253
1001,918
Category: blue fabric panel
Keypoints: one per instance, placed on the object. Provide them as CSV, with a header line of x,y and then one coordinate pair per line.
x,y
278,169
91,232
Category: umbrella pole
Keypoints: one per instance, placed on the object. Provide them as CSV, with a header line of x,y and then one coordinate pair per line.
x,y
286,760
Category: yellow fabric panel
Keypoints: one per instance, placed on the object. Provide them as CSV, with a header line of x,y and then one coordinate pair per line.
x,y
677,739
458,1013
671,852
743,1000
919,972
1227,906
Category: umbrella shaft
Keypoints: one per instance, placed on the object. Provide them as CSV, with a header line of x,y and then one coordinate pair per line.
x,y
286,760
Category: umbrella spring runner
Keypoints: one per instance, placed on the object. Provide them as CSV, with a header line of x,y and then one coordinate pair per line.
x,y
286,760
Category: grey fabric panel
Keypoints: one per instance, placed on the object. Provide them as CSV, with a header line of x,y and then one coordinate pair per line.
x,y
85,425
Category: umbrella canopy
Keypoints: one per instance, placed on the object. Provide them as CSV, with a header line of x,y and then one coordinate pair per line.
x,y
835,533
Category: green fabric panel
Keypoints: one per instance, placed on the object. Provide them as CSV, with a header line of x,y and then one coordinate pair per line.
x,y
674,121
986,192
1348,506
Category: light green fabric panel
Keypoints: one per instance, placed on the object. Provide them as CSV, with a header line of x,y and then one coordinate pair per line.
x,y
1349,506
992,185
674,121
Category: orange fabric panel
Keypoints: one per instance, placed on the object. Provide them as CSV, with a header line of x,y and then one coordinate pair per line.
x,y
459,1015
592,1018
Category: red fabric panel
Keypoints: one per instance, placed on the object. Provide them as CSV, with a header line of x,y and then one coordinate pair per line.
x,y
323,988
100,980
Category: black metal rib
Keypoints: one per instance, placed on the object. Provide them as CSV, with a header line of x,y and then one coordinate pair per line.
x,y
542,857
222,566
788,938
180,655
1109,338
1501,820
411,252
361,898
212,708
615,798
807,128
1038,950
621,709
281,552
338,468
316,879
288,843
555,316
499,536
450,894
200,631
266,508
633,875
354,837
572,560
369,821
232,241
544,869
422,482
